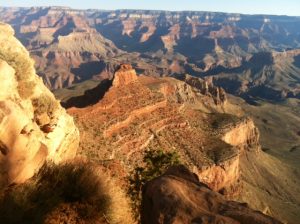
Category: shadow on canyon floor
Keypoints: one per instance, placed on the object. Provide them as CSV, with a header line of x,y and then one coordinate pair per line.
x,y
90,96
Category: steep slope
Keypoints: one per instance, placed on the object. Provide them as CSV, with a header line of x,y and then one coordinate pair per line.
x,y
274,182
278,125
34,128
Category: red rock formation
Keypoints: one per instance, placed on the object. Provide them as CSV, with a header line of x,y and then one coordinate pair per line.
x,y
124,75
222,177
206,87
155,109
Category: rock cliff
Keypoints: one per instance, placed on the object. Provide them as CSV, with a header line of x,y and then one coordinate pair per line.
x,y
244,135
34,128
124,76
206,87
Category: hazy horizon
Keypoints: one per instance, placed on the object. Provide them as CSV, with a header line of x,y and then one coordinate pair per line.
x,y
255,7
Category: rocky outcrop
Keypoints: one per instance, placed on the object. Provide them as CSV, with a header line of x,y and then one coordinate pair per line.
x,y
206,87
222,177
124,76
139,113
34,128
179,197
178,92
243,134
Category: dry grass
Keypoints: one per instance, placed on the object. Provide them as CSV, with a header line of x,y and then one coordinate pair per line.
x,y
25,88
23,66
45,104
66,193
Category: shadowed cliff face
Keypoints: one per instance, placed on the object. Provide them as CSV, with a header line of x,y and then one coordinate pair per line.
x,y
34,128
247,55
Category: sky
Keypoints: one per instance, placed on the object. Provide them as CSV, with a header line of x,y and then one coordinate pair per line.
x,y
274,7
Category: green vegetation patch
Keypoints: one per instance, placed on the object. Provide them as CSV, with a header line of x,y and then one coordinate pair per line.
x,y
156,163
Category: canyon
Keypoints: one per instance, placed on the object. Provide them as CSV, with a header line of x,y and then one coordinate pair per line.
x,y
238,52
133,81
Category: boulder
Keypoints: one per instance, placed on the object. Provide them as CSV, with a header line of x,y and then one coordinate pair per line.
x,y
179,197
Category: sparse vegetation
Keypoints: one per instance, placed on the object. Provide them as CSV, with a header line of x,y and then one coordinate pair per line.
x,y
219,120
66,194
156,163
44,104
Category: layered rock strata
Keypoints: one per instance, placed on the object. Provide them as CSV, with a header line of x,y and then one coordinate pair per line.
x,y
140,113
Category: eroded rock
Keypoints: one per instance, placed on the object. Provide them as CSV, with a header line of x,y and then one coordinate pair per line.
x,y
124,75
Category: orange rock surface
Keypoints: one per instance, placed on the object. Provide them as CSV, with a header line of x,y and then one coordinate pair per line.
x,y
138,113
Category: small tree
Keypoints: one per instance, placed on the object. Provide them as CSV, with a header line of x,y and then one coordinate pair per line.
x,y
156,163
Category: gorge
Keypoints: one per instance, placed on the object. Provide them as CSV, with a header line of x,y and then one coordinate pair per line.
x,y
215,90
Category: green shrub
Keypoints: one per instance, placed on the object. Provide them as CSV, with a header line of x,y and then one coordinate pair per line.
x,y
156,163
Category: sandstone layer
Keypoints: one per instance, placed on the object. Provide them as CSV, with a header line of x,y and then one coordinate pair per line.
x,y
124,76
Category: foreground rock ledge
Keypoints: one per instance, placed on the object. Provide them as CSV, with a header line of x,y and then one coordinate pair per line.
x,y
34,128
179,197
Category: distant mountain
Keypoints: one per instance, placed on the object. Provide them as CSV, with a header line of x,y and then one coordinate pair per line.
x,y
248,55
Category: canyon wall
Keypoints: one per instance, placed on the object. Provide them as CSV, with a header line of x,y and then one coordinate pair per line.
x,y
244,135
235,51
